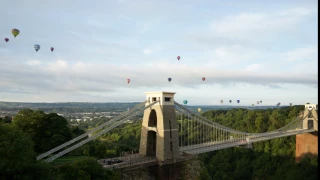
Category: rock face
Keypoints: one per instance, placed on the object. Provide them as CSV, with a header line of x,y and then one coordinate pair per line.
x,y
306,143
139,174
188,170
192,169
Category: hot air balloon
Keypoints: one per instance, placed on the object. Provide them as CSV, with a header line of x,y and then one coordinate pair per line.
x,y
37,47
128,81
199,109
221,101
51,49
15,32
290,104
230,101
238,101
169,79
252,104
185,101
6,39
203,79
260,101
178,57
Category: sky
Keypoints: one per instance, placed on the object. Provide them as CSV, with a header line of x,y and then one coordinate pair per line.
x,y
247,50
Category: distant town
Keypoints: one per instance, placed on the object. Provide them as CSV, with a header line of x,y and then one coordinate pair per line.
x,y
86,111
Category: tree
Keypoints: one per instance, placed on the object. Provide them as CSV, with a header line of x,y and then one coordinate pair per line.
x,y
86,169
47,130
16,151
6,119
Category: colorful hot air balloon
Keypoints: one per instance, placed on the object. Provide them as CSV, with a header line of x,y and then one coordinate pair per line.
x,y
230,101
258,102
221,101
37,47
6,39
238,101
15,32
178,57
185,101
169,79
51,49
128,81
203,79
199,109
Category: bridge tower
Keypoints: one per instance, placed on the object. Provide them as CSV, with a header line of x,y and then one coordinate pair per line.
x,y
308,142
159,133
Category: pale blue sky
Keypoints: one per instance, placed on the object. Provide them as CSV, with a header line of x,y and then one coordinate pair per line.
x,y
248,50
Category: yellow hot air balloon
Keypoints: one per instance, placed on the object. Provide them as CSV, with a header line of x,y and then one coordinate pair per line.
x,y
221,101
15,32
199,109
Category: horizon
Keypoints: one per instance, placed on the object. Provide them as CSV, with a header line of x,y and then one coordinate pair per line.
x,y
246,50
230,104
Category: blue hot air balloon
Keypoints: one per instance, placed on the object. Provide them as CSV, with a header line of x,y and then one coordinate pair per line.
x,y
37,47
185,101
238,101
169,79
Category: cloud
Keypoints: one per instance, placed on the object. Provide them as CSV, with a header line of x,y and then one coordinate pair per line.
x,y
153,49
33,62
147,51
88,77
249,25
57,66
302,54
98,47
253,67
253,29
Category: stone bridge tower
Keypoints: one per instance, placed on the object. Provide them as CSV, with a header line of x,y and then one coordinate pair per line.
x,y
159,133
308,142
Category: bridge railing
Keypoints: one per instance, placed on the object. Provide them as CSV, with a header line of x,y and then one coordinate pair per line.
x,y
131,160
209,133
115,124
91,131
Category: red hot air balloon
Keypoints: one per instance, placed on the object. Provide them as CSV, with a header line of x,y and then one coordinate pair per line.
x,y
6,39
51,49
203,78
178,57
128,81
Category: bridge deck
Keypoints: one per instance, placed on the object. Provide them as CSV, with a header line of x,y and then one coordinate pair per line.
x,y
134,161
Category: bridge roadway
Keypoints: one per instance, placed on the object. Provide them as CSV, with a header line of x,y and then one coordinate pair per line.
x,y
134,161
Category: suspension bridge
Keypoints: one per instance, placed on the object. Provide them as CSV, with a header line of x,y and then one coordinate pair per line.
x,y
165,141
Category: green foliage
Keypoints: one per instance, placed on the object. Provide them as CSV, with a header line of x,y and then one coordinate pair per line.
x,y
273,159
86,169
5,119
16,151
47,130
